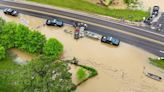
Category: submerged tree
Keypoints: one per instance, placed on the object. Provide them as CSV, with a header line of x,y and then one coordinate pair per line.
x,y
43,75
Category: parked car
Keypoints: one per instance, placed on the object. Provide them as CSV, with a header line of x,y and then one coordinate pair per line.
x,y
148,20
110,40
54,22
10,11
155,11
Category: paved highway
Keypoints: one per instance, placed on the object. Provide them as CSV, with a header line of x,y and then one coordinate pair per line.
x,y
145,39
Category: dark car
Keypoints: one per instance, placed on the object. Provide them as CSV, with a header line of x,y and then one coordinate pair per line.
x,y
110,40
10,11
54,22
148,20
155,11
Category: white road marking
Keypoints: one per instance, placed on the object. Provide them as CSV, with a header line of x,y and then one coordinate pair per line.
x,y
161,51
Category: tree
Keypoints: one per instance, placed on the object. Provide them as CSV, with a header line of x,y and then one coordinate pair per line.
x,y
29,41
53,48
2,52
7,35
43,75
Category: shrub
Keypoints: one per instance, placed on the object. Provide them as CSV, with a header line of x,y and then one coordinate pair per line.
x,y
2,52
53,48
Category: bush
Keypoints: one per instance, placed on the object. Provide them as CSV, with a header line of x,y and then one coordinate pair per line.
x,y
81,74
2,52
53,48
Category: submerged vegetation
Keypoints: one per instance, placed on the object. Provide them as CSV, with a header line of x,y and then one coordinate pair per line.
x,y
134,15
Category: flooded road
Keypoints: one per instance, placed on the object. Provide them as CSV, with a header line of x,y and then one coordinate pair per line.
x,y
120,68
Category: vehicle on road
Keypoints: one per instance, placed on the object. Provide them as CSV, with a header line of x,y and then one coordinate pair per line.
x,y
155,11
148,20
110,40
54,22
11,12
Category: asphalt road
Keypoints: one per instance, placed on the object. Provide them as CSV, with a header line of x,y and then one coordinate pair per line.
x,y
145,44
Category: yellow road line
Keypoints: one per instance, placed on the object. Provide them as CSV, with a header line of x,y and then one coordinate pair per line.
x,y
107,27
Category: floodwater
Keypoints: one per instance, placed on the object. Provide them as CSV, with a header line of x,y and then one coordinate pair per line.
x,y
147,4
120,68
21,54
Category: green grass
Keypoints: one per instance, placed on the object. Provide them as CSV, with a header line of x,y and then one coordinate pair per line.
x,y
158,63
7,65
137,15
81,74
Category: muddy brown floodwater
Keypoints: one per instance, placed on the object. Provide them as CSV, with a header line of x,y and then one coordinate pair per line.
x,y
120,68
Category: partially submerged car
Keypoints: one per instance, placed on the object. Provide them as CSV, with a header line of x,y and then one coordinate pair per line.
x,y
155,11
11,12
110,40
54,22
148,20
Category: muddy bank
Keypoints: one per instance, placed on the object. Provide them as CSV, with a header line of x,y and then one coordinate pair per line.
x,y
120,68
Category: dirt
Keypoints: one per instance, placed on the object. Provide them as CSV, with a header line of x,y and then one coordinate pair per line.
x,y
116,4
120,68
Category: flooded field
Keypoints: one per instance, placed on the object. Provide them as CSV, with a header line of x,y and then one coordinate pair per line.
x,y
120,68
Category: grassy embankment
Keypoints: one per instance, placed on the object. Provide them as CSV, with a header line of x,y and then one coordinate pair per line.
x,y
158,63
134,15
